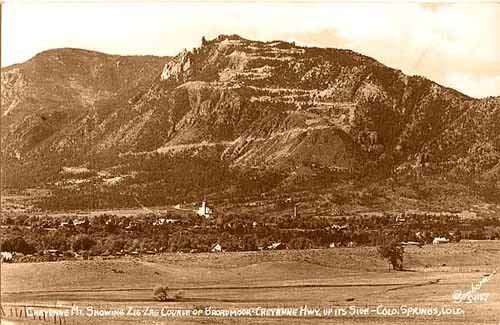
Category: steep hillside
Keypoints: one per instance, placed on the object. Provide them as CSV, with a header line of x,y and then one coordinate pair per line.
x,y
245,104
44,95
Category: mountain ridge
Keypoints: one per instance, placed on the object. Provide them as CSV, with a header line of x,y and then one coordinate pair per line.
x,y
249,104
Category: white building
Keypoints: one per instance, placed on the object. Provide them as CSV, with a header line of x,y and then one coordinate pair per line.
x,y
205,210
216,248
440,240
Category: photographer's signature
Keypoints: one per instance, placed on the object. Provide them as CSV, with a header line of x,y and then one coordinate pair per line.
x,y
473,295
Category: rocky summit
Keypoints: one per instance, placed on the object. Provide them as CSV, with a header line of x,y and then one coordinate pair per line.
x,y
247,105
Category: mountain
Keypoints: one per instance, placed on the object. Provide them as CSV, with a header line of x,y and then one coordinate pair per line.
x,y
46,94
247,105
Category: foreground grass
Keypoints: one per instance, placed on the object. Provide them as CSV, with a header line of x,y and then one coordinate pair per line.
x,y
324,278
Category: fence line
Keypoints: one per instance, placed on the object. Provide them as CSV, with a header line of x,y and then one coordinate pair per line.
x,y
21,312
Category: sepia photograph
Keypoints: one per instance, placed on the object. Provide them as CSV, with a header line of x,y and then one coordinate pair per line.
x,y
249,162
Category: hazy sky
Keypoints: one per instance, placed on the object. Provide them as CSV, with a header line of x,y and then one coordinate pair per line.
x,y
456,45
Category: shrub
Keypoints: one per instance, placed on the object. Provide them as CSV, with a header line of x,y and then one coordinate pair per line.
x,y
161,293
301,243
83,242
19,245
393,252
178,295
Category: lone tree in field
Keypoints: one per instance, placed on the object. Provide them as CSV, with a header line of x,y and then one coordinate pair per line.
x,y
161,293
393,252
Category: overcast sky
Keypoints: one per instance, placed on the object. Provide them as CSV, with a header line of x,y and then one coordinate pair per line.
x,y
456,45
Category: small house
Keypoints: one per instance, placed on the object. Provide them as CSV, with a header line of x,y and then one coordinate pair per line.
x,y
440,240
216,248
276,246
53,252
80,223
351,244
205,210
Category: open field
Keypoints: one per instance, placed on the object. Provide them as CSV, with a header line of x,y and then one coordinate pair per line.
x,y
23,204
338,278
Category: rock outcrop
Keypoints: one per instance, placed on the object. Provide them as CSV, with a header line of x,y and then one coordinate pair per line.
x,y
177,69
